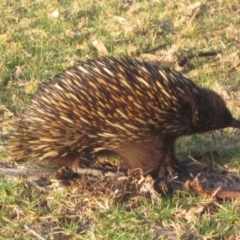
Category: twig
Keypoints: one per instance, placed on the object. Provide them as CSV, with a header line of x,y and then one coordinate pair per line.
x,y
184,59
33,233
154,49
193,17
35,170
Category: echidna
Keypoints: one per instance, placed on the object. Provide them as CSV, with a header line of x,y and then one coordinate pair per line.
x,y
134,108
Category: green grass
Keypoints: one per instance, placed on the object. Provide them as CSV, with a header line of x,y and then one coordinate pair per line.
x,y
35,45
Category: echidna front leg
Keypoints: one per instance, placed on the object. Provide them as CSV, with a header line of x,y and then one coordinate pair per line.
x,y
170,162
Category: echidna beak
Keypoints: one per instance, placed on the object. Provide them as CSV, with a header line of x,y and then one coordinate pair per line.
x,y
235,123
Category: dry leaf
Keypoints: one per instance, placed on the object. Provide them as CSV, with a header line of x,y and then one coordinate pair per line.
x,y
168,64
99,45
150,57
55,14
119,19
191,8
193,212
4,38
236,68
196,186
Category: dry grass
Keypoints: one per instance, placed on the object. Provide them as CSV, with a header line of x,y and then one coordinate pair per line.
x,y
41,38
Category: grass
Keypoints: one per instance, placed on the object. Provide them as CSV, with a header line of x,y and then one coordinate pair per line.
x,y
39,39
